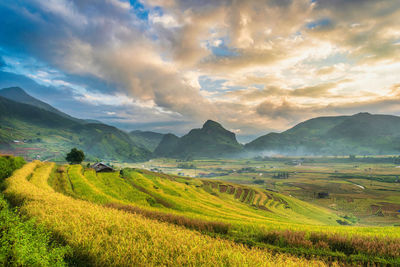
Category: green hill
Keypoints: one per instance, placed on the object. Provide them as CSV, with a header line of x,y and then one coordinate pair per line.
x,y
19,95
168,144
147,139
212,140
31,131
362,134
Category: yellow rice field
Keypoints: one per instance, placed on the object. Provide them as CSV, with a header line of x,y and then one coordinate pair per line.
x,y
103,237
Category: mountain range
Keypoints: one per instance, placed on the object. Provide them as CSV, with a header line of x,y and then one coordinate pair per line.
x,y
212,140
146,139
359,134
34,128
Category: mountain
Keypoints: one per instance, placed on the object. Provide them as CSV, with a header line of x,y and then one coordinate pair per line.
x,y
212,140
32,131
167,145
149,140
17,94
362,134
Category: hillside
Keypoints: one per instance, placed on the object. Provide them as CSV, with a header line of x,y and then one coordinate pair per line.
x,y
127,235
140,217
212,140
186,196
147,139
31,131
362,134
19,95
167,145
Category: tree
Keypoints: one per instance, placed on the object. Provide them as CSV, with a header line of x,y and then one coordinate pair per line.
x,y
75,156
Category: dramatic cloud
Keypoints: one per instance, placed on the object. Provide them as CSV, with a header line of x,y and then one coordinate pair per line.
x,y
255,66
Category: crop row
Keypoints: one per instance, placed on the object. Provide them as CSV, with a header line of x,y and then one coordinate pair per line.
x,y
104,236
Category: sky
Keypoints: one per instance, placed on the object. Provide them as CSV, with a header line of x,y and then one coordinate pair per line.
x,y
169,65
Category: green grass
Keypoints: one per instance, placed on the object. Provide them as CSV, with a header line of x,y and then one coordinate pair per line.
x,y
82,188
22,241
339,177
9,164
60,182
115,186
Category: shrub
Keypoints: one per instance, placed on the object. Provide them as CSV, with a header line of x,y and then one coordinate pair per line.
x,y
25,244
9,164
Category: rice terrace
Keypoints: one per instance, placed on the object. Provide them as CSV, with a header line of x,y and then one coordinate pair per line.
x,y
200,133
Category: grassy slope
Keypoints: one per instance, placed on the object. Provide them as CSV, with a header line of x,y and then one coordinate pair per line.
x,y
104,236
192,198
205,201
19,95
51,135
22,242
25,244
249,221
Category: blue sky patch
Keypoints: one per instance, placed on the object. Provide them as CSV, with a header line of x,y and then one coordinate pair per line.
x,y
319,24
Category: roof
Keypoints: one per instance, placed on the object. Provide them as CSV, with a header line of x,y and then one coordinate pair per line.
x,y
100,166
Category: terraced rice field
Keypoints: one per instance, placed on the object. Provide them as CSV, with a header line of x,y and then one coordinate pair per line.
x,y
106,236
140,217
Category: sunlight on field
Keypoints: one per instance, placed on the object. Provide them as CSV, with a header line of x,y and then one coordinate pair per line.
x,y
105,236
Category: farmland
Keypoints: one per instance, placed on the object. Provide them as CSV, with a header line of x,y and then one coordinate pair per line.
x,y
199,133
366,190
138,216
106,236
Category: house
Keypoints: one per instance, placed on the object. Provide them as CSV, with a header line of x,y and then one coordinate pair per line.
x,y
102,167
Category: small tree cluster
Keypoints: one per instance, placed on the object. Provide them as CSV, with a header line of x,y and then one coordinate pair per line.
x,y
186,166
75,156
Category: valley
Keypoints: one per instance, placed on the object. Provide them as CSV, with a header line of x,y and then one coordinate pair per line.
x,y
202,198
200,133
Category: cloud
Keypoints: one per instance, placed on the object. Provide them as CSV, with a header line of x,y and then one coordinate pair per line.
x,y
290,113
253,65
255,95
367,29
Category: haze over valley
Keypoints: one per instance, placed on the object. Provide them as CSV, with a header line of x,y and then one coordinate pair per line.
x,y
200,133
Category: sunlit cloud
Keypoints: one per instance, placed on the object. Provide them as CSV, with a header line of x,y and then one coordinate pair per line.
x,y
255,66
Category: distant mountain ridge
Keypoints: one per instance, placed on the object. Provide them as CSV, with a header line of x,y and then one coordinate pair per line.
x,y
44,132
362,134
168,145
148,139
212,140
17,94
23,117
